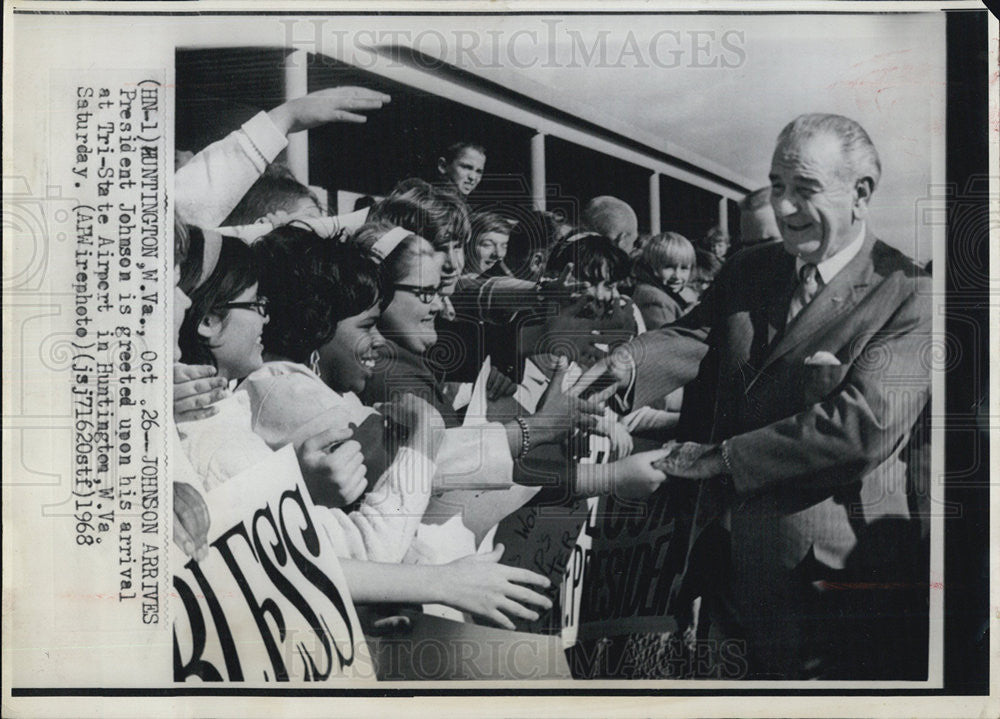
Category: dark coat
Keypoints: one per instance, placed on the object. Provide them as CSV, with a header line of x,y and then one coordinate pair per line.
x,y
818,489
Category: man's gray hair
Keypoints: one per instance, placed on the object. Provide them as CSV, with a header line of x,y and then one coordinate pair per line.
x,y
609,216
860,155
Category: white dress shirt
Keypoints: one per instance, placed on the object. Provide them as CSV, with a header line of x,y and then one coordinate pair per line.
x,y
828,268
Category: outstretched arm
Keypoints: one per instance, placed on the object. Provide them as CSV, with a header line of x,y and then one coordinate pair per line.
x,y
477,584
837,439
209,186
657,362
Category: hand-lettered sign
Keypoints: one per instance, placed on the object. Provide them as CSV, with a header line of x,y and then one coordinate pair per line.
x,y
270,602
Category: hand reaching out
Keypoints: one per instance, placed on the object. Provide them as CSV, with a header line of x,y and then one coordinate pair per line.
x,y
570,329
191,521
480,585
560,411
618,433
499,385
333,467
335,104
562,289
613,371
646,419
639,475
196,389
423,422
621,440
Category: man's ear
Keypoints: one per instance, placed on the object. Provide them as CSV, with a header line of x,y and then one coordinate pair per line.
x,y
210,325
863,189
442,166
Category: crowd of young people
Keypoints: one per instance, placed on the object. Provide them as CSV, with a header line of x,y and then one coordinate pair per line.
x,y
357,338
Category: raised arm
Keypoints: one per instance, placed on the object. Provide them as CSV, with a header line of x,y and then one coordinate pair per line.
x,y
209,186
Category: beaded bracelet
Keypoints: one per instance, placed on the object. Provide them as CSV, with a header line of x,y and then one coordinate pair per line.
x,y
525,436
726,459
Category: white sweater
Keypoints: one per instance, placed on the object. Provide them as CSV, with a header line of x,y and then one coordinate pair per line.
x,y
380,530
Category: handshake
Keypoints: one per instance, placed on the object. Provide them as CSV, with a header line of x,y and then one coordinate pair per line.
x,y
692,460
639,475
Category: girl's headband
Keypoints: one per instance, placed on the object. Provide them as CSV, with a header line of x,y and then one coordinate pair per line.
x,y
210,255
388,242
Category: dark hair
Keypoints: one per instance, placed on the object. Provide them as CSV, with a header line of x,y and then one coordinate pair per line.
x,y
192,260
534,233
707,266
438,214
363,202
595,258
451,153
276,189
312,284
233,274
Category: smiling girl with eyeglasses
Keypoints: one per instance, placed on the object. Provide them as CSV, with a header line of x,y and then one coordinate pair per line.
x,y
226,319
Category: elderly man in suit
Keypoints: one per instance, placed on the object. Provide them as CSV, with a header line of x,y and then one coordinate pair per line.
x,y
811,358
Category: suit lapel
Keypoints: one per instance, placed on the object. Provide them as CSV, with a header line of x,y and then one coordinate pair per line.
x,y
750,343
833,299
840,295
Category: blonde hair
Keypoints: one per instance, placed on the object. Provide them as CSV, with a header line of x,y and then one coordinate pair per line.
x,y
667,249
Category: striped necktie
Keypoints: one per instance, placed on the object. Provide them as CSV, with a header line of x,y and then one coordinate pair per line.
x,y
809,284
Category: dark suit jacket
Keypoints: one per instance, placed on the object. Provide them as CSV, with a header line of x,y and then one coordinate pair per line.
x,y
814,449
